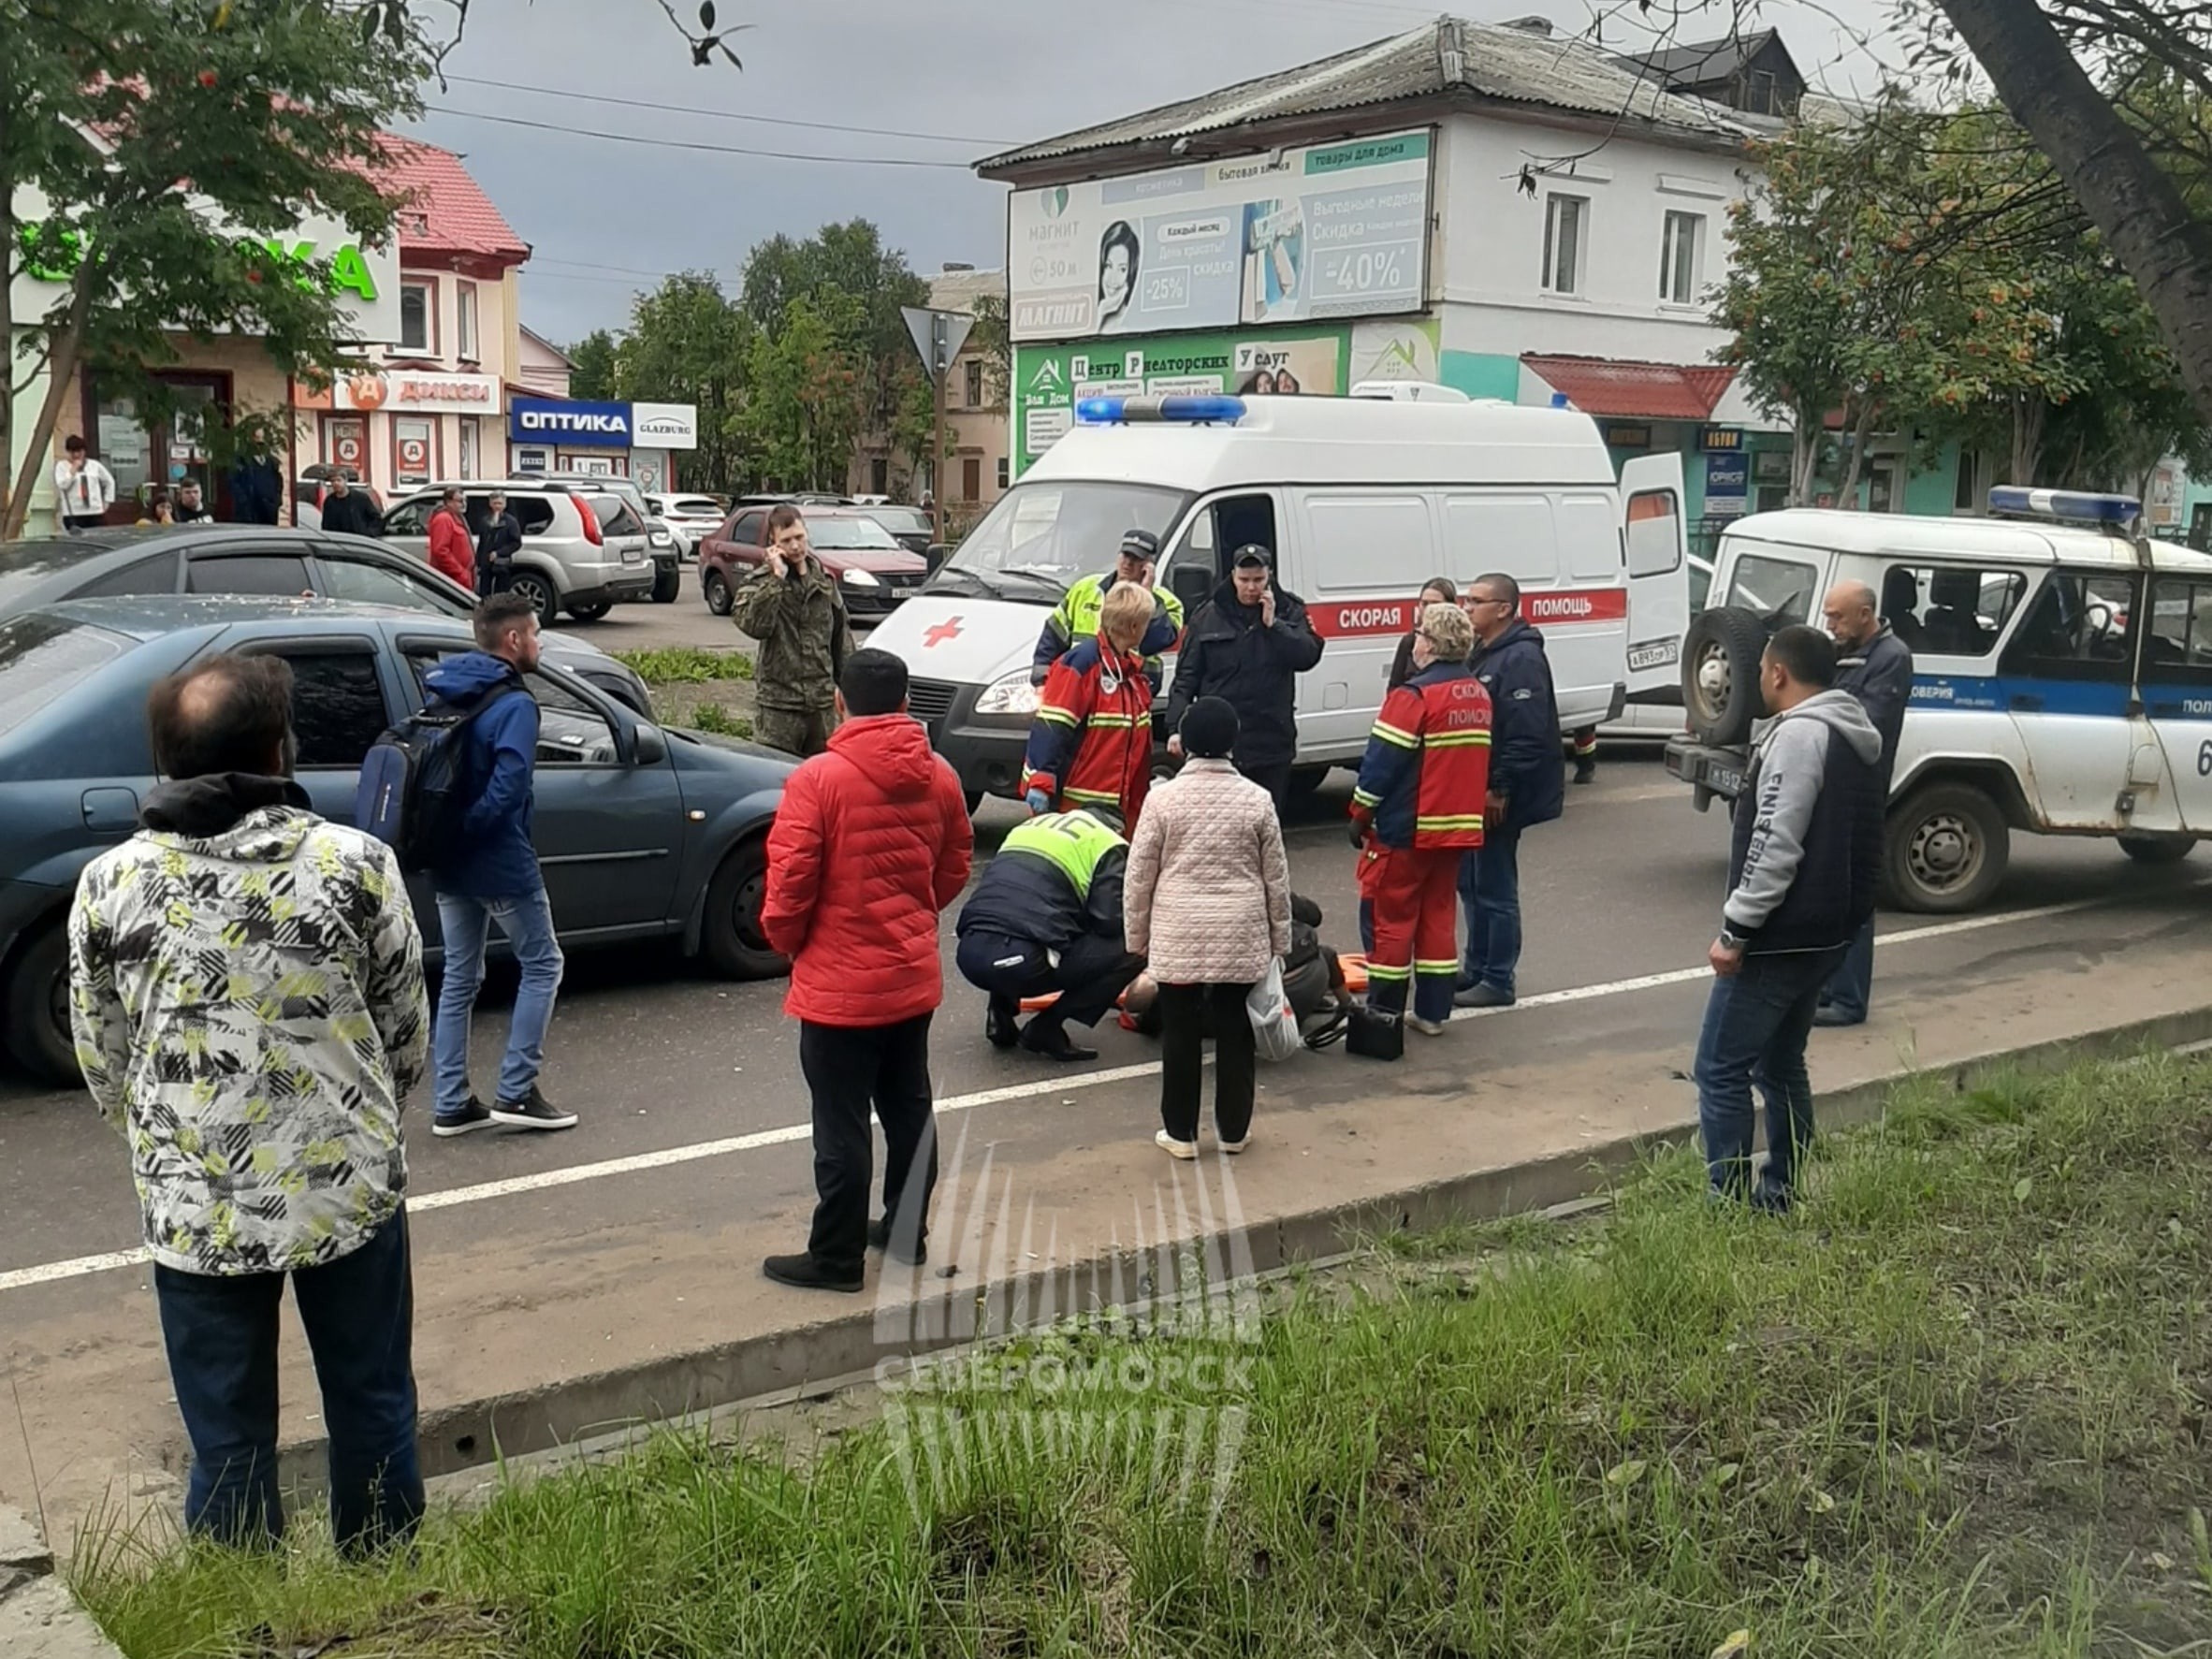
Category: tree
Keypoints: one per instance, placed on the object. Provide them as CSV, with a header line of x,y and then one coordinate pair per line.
x,y
593,371
806,402
850,260
686,343
151,157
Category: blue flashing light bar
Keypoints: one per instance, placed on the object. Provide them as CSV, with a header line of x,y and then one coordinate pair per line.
x,y
1192,409
2065,503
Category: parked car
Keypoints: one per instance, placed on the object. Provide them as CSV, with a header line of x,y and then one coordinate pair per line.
x,y
804,498
247,558
661,540
911,527
876,573
313,483
692,518
642,833
583,553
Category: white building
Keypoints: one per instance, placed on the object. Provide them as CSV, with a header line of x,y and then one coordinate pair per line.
x,y
1518,215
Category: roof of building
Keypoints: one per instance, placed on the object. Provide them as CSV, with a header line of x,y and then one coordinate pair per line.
x,y
1487,62
958,290
1704,62
1627,390
446,210
531,337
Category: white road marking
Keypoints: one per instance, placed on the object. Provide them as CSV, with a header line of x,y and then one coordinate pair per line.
x,y
78,1266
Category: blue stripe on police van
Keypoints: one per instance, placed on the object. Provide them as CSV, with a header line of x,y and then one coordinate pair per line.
x,y
2178,702
2015,694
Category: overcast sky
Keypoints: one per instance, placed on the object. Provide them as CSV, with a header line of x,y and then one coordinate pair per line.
x,y
606,218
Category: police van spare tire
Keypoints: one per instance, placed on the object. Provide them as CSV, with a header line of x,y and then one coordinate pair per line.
x,y
1721,673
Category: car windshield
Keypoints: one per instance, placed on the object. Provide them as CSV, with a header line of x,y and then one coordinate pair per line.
x,y
1045,535
41,657
853,535
902,521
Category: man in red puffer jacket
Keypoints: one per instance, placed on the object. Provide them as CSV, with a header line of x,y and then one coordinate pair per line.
x,y
452,548
870,845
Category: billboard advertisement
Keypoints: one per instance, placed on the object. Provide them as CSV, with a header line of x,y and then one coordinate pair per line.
x,y
1299,235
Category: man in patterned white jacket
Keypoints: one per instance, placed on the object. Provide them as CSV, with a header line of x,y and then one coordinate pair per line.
x,y
247,993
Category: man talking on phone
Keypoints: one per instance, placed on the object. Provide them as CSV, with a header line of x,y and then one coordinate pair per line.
x,y
793,608
1248,646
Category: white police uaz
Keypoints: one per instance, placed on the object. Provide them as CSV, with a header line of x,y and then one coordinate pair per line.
x,y
2062,678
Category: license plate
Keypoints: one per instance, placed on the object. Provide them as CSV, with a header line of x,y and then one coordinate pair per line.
x,y
1655,653
1724,781
634,555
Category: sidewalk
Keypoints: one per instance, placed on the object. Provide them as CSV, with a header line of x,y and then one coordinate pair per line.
x,y
550,1315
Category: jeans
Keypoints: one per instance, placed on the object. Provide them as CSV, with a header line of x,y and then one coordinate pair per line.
x,y
1852,989
221,1332
1092,974
1182,1021
850,1069
1489,897
1757,1024
463,923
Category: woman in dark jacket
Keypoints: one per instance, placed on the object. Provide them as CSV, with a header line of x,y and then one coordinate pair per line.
x,y
1440,591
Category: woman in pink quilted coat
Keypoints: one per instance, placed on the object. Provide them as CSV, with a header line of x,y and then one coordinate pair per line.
x,y
1207,899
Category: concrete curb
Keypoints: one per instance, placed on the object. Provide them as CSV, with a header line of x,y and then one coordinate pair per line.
x,y
39,1619
824,1353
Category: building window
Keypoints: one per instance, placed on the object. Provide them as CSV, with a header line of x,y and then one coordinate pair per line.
x,y
1963,497
1003,462
971,478
464,328
471,444
1566,218
974,369
1682,253
879,476
417,305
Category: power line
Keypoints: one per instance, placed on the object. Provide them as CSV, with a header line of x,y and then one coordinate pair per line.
x,y
819,127
585,132
617,269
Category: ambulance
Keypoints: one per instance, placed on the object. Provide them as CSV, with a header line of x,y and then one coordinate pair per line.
x,y
1361,500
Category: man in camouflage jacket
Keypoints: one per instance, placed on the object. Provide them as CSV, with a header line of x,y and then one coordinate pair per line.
x,y
247,996
793,608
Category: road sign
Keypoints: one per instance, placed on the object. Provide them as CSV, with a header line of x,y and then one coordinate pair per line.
x,y
938,335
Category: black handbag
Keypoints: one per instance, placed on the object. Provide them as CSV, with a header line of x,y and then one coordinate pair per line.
x,y
1374,1034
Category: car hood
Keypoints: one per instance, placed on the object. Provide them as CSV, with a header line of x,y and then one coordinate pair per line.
x,y
966,641
718,746
881,562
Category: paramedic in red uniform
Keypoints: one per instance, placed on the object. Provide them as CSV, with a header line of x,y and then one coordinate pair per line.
x,y
1417,813
1091,743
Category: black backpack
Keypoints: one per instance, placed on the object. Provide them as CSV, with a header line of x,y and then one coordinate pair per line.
x,y
410,796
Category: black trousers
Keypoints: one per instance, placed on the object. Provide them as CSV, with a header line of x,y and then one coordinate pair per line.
x,y
1274,778
850,1069
1091,977
1182,1010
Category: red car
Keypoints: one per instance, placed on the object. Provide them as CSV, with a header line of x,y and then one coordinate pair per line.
x,y
875,574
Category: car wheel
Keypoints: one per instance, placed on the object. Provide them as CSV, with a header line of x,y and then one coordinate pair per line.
x,y
590,612
1720,675
668,581
1946,851
717,587
537,588
2158,849
37,1001
732,939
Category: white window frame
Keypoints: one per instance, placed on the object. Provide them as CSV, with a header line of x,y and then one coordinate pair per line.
x,y
427,345
465,322
1555,205
1681,268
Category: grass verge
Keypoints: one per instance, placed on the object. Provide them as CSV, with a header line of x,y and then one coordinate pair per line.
x,y
697,688
1955,1407
689,665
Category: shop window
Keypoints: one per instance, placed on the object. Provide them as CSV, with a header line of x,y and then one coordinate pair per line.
x,y
464,320
121,441
1566,220
417,318
413,449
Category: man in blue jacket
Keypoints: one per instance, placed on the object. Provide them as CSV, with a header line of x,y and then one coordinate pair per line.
x,y
1527,785
1876,667
491,873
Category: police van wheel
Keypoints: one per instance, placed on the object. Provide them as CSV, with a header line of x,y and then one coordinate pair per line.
x,y
732,939
1721,673
2158,849
1946,851
37,1004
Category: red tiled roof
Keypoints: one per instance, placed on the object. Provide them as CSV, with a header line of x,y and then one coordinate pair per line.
x,y
1633,391
445,211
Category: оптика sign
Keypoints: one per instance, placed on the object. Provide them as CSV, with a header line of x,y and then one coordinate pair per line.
x,y
573,422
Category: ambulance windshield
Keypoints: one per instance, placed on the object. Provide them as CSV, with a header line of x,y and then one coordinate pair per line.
x,y
1041,537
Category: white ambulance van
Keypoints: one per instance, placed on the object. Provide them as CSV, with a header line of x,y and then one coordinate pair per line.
x,y
1361,500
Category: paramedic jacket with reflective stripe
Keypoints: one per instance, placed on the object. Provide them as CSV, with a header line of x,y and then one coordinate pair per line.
x,y
1076,618
1091,743
1427,768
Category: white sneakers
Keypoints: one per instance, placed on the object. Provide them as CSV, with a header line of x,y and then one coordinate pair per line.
x,y
1187,1150
1426,1027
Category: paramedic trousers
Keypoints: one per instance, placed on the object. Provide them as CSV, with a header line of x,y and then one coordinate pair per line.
x,y
1089,978
1415,896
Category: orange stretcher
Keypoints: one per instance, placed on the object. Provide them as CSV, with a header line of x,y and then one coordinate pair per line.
x,y
1353,964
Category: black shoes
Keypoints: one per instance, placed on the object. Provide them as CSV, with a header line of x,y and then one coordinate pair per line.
x,y
535,1113
880,1239
1000,1026
472,1116
1829,1017
1480,996
803,1272
1586,772
1050,1041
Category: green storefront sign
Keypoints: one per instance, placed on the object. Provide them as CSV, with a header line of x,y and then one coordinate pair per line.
x,y
55,260
1049,379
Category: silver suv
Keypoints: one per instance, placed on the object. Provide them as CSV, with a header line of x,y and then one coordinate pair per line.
x,y
583,552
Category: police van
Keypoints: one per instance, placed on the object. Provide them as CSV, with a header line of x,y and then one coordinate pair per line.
x,y
2062,678
1361,500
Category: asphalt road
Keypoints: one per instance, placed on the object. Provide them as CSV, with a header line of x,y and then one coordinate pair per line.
x,y
655,1056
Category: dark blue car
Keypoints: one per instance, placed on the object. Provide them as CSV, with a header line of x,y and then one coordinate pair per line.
x,y
642,833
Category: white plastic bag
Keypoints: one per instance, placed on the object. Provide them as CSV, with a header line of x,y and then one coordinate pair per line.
x,y
1274,1027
